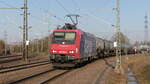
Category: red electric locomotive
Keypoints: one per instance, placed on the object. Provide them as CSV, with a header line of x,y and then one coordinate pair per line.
x,y
71,46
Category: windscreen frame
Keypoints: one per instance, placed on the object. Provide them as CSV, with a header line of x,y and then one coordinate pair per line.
x,y
65,41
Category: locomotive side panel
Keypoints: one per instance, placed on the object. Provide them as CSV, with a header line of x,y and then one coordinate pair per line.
x,y
88,45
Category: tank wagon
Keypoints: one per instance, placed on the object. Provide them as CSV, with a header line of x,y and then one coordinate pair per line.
x,y
104,48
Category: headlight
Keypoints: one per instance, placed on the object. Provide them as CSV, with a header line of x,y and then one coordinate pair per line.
x,y
54,51
71,52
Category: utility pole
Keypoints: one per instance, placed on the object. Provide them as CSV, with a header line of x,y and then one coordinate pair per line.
x,y
42,45
37,46
25,31
25,28
146,29
118,66
5,37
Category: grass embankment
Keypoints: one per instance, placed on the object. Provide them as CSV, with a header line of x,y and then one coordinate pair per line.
x,y
140,65
116,78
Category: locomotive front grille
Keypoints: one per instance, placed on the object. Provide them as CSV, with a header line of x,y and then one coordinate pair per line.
x,y
61,58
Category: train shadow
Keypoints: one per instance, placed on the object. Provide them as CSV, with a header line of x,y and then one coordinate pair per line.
x,y
80,65
76,66
63,68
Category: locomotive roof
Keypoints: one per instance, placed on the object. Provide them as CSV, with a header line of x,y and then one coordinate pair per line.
x,y
67,30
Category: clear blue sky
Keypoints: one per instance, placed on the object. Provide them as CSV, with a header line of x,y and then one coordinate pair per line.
x,y
96,17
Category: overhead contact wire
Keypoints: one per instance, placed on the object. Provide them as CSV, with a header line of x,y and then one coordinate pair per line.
x,y
62,6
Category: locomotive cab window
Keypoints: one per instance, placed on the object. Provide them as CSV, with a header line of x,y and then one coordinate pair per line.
x,y
64,37
70,36
59,35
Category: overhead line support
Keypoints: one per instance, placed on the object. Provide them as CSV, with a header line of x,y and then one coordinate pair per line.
x,y
25,28
118,66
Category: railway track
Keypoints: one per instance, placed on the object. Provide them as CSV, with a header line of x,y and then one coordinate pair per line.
x,y
55,77
10,56
100,75
41,78
97,80
45,75
23,66
12,59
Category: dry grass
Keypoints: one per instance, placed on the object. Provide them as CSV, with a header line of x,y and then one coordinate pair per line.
x,y
115,78
140,65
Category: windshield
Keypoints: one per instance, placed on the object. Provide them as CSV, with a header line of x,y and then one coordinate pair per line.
x,y
64,37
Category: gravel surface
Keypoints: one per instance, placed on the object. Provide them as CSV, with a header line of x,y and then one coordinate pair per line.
x,y
92,73
43,77
84,75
